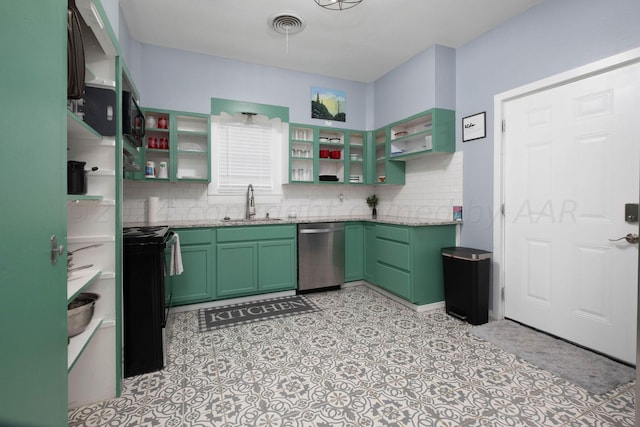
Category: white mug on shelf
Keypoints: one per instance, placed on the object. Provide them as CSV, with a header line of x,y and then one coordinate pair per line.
x,y
163,172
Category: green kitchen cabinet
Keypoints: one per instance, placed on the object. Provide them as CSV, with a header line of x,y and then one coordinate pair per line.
x,y
237,272
354,251
255,259
197,283
276,265
33,306
316,151
370,253
179,140
409,261
429,132
382,171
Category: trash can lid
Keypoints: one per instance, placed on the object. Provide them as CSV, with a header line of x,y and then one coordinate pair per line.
x,y
470,254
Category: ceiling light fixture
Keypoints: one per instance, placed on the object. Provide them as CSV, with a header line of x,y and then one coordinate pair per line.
x,y
338,4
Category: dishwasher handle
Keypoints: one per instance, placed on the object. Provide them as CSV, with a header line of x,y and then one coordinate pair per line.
x,y
317,231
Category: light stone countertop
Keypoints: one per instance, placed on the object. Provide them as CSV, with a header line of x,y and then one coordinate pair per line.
x,y
413,222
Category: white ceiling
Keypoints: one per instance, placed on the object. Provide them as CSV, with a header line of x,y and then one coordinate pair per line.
x,y
360,44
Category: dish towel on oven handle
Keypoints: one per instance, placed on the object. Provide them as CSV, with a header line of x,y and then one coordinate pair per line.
x,y
175,266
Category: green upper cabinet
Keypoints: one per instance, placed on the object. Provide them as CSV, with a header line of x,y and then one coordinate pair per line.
x,y
426,133
383,170
302,152
330,163
178,144
355,157
326,155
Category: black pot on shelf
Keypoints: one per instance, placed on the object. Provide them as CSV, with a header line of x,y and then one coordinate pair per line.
x,y
374,213
77,177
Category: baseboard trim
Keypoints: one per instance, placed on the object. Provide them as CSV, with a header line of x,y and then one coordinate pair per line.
x,y
418,308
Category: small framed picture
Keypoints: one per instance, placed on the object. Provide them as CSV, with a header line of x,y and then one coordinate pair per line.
x,y
474,127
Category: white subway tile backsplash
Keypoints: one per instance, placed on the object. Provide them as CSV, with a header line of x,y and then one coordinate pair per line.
x,y
433,185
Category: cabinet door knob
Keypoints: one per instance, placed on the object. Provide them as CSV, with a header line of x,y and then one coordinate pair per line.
x,y
55,249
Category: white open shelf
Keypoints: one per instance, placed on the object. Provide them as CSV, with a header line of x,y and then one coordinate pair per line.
x,y
90,239
78,343
80,280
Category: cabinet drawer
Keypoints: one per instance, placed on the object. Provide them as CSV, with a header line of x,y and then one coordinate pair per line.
x,y
256,232
194,236
399,234
395,281
394,253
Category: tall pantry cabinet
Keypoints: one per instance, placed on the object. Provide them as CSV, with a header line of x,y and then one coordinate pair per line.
x,y
33,329
42,374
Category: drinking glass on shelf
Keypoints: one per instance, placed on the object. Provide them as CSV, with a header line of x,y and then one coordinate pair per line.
x,y
294,175
300,174
307,175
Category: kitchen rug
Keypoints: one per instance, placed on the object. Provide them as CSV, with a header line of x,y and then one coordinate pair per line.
x,y
212,318
596,373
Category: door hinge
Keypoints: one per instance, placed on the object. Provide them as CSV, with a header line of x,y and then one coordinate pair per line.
x,y
502,294
504,125
502,209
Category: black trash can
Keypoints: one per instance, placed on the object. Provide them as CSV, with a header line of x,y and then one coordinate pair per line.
x,y
467,273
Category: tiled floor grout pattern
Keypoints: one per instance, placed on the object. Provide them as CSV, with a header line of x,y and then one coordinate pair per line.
x,y
364,360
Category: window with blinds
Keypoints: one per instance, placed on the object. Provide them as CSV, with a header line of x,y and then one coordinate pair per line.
x,y
245,155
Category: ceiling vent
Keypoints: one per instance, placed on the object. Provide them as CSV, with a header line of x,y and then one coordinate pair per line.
x,y
287,23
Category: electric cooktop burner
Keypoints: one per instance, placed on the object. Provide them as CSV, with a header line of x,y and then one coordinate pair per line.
x,y
151,234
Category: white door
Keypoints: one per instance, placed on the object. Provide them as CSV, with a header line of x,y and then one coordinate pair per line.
x,y
571,163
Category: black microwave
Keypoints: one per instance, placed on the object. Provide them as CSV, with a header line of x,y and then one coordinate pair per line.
x,y
132,120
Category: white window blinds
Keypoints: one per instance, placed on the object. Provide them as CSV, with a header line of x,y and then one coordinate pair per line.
x,y
245,156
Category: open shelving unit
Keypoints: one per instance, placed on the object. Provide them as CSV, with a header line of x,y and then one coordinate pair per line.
x,y
92,218
316,152
183,145
422,134
302,154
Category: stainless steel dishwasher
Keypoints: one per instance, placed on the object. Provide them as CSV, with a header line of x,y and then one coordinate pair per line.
x,y
320,255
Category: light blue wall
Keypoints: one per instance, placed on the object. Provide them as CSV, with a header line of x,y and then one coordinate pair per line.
x,y
550,38
425,81
186,81
130,50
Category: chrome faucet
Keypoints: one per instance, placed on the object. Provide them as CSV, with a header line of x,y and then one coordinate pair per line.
x,y
251,203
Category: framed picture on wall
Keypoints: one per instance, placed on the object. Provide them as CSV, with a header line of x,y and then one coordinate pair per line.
x,y
328,104
474,127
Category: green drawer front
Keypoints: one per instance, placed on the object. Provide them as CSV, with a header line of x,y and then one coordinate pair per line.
x,y
400,234
394,281
394,253
256,232
194,236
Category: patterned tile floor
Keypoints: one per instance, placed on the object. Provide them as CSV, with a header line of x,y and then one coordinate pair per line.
x,y
364,360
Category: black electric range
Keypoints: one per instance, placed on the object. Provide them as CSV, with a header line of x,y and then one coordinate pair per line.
x,y
146,234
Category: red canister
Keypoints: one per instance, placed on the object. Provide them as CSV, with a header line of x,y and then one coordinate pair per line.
x,y
324,154
334,154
